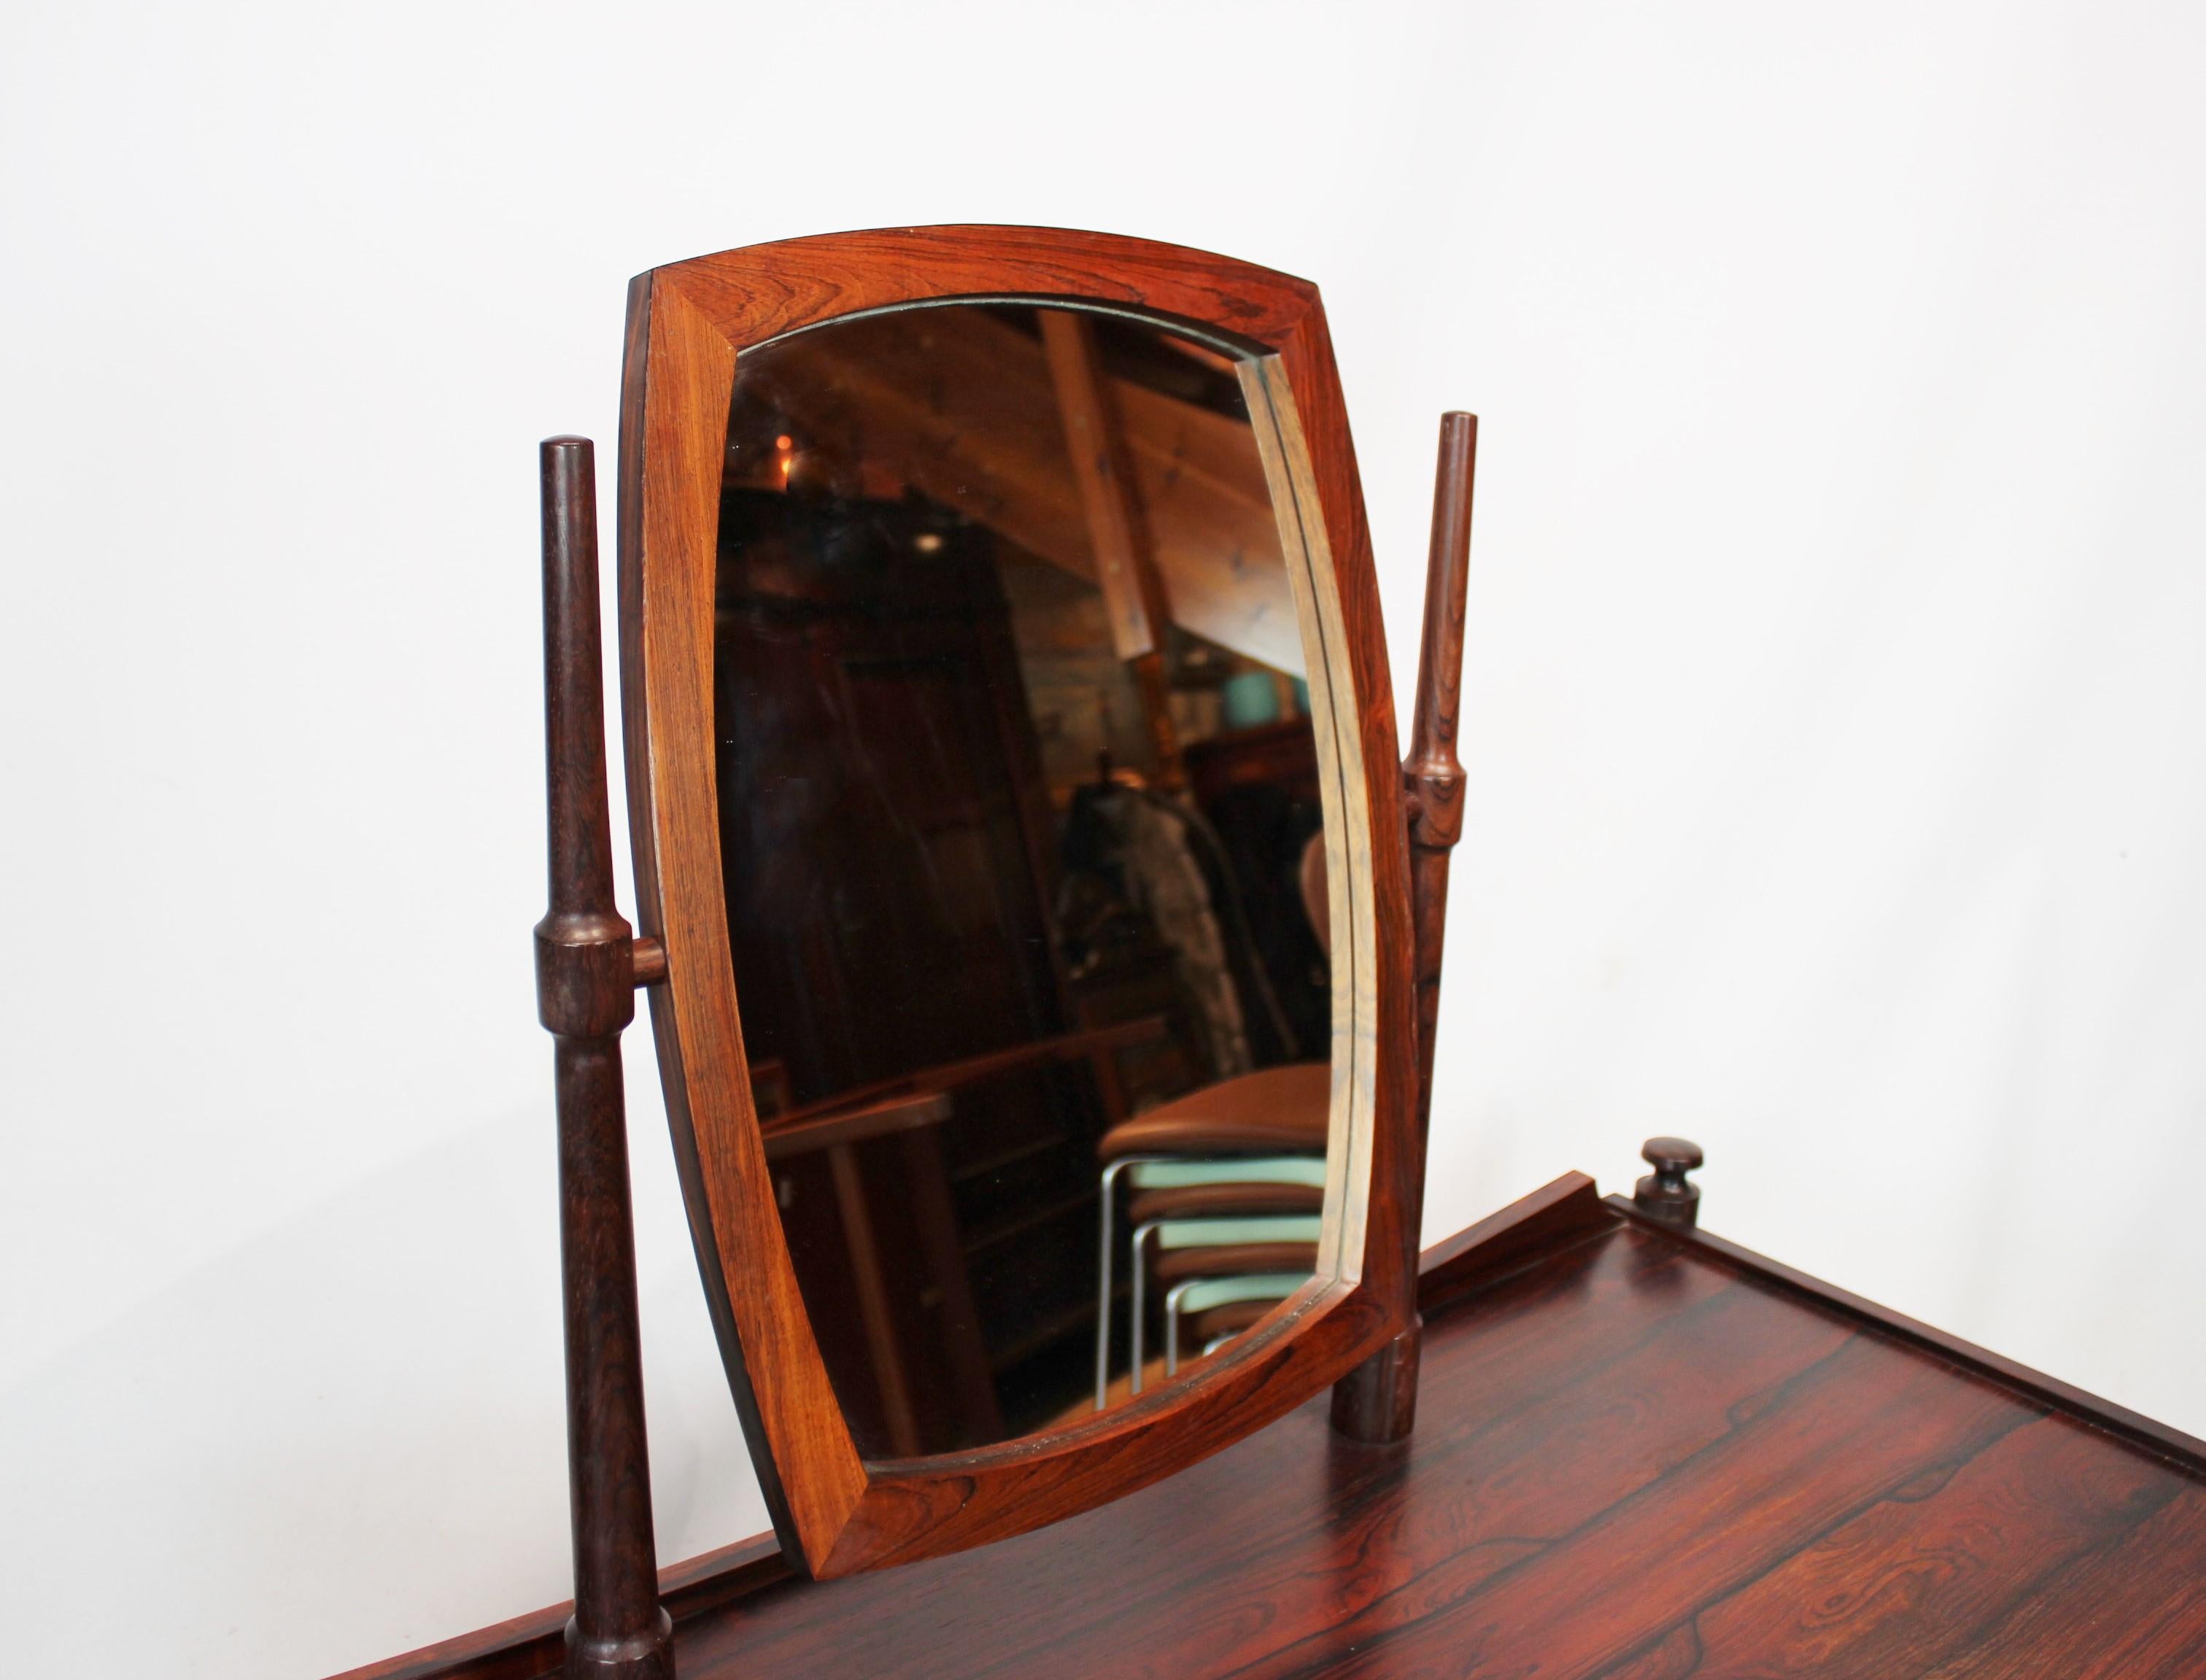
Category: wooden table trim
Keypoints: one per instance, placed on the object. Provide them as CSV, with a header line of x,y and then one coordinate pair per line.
x,y
2160,1440
531,1646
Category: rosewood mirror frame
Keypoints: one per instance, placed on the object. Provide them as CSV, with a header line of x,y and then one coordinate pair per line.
x,y
834,1510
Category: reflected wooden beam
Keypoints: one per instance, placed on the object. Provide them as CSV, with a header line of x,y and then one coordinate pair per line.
x,y
963,404
1118,537
1117,531
1200,480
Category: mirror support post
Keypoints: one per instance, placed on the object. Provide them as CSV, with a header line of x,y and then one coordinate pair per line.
x,y
586,980
1378,1400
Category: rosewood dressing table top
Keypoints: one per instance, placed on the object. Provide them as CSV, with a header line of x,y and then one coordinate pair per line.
x,y
1043,934
1641,1454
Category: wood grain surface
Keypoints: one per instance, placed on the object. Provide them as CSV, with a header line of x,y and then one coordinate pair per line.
x,y
1633,1462
2161,1439
1637,1459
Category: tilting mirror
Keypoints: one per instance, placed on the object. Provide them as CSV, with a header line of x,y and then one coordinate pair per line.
x,y
1043,935
1024,855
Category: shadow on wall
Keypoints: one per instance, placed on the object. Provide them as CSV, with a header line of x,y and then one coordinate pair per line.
x,y
283,1451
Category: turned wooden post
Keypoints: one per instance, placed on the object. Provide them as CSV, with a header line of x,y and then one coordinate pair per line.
x,y
586,978
1378,1400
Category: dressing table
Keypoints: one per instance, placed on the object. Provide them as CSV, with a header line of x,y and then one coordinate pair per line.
x,y
1042,929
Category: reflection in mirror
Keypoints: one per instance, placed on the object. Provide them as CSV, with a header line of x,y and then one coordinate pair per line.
x,y
1024,860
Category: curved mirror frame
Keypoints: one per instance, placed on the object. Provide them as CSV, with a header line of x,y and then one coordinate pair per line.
x,y
834,1510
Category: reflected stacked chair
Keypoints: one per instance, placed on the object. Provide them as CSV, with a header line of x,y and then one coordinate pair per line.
x,y
1226,1186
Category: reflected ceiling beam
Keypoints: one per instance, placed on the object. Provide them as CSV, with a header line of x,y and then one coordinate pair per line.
x,y
1118,538
964,406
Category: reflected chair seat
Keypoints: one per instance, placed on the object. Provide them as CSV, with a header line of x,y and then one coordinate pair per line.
x,y
1234,1259
1282,1195
1218,1323
1245,1280
1190,1244
1194,1201
1199,1295
1273,1109
1280,1173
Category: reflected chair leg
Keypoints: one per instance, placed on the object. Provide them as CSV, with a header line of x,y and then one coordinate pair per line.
x,y
1103,1271
1141,1277
1103,1294
1171,1326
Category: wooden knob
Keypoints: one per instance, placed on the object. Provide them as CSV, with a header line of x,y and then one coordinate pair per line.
x,y
1666,1194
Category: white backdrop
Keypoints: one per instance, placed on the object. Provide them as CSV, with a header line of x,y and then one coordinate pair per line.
x,y
1837,714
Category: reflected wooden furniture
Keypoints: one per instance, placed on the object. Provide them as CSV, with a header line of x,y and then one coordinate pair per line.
x,y
910,1107
875,768
1643,1454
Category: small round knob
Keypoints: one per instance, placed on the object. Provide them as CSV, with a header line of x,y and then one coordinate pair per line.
x,y
1666,1194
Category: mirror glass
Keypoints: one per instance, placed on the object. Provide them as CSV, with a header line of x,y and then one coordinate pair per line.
x,y
1024,857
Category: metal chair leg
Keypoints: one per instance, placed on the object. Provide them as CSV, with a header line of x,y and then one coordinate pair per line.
x,y
1103,1271
1172,1324
1140,1281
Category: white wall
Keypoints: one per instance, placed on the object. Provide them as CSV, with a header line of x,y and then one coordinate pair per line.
x,y
1837,717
